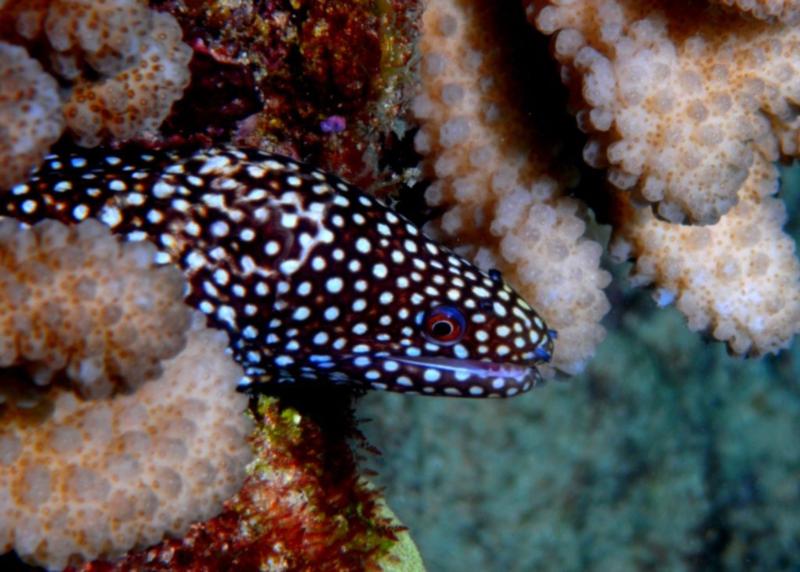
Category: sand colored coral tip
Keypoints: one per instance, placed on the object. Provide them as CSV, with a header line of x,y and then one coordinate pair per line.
x,y
687,105
677,97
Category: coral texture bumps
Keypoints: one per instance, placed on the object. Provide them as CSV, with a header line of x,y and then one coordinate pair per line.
x,y
121,66
685,106
96,459
506,201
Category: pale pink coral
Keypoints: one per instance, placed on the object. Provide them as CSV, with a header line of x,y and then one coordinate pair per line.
x,y
30,113
75,299
687,105
738,279
135,99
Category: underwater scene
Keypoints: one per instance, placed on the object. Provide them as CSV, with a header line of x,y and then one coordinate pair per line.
x,y
665,454
399,285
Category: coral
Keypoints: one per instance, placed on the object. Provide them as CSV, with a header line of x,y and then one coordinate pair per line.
x,y
123,64
30,113
677,97
749,299
685,105
787,10
75,299
135,100
99,473
270,75
302,507
498,179
647,466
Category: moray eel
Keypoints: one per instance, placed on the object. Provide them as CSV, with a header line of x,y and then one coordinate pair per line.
x,y
311,277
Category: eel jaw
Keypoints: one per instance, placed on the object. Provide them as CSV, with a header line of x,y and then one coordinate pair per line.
x,y
425,375
497,379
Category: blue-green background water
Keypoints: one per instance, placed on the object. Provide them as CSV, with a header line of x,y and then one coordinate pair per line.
x,y
666,454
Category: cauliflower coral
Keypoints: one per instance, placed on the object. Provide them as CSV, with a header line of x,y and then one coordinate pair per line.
x,y
501,184
124,65
677,98
685,106
119,417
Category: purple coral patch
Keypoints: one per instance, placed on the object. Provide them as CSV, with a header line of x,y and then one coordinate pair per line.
x,y
333,124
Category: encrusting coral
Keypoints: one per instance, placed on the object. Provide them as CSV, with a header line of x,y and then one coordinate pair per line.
x,y
124,65
505,201
321,81
82,477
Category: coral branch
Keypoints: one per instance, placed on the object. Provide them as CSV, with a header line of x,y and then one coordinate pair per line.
x,y
30,113
686,105
677,97
499,179
74,299
81,478
738,279
786,10
124,66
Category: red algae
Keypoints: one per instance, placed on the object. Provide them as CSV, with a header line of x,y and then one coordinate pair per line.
x,y
302,507
272,74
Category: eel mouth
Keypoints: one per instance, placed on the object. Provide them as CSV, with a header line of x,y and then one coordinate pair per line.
x,y
522,375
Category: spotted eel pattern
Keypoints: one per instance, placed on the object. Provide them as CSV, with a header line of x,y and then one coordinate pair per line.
x,y
311,277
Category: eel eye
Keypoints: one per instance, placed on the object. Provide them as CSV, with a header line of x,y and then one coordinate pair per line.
x,y
495,275
444,325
